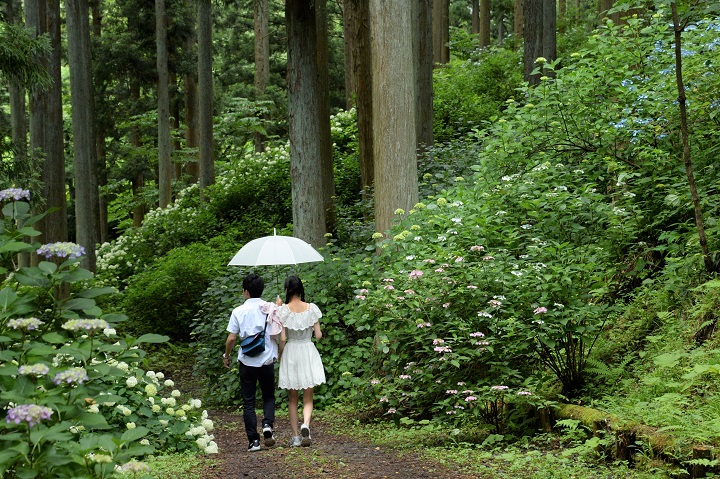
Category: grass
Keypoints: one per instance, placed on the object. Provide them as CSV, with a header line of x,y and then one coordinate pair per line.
x,y
546,456
172,466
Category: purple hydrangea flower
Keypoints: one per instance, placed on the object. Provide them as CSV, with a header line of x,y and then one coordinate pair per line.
x,y
85,325
30,413
28,324
61,250
38,370
70,376
16,194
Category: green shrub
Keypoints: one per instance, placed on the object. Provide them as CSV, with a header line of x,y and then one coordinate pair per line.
x,y
163,299
467,93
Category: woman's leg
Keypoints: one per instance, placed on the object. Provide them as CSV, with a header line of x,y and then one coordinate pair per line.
x,y
293,410
307,405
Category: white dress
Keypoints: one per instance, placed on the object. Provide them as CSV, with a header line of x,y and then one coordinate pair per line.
x,y
300,365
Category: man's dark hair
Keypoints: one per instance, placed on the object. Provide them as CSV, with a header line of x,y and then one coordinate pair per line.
x,y
254,285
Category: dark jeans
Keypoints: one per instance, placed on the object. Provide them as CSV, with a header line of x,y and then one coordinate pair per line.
x,y
249,377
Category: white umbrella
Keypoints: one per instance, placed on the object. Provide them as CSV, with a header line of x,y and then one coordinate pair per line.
x,y
275,250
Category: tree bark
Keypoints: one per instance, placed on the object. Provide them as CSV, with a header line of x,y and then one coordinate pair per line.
x,y
36,22
100,146
475,16
205,79
163,107
441,31
549,29
262,59
362,73
18,116
396,184
83,118
323,88
424,74
138,179
484,23
518,21
349,8
685,137
303,103
533,33
192,131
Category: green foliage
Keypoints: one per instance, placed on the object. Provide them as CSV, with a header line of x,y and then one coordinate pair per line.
x,y
21,57
467,93
163,299
75,402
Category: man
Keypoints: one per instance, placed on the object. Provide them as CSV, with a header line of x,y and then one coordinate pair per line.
x,y
247,320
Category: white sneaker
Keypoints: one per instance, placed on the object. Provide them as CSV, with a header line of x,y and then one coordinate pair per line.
x,y
305,432
295,441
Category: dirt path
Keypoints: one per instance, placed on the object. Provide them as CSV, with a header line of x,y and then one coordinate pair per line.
x,y
330,456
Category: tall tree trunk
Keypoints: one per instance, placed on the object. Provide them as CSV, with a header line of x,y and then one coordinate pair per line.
x,y
101,146
262,59
549,29
349,9
192,131
36,22
533,28
518,22
137,179
323,87
163,108
83,118
424,74
603,7
682,103
441,31
303,103
205,80
175,144
475,16
484,23
362,72
18,116
396,183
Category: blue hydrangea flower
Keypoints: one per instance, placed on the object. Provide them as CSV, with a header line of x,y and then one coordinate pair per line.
x,y
30,413
61,250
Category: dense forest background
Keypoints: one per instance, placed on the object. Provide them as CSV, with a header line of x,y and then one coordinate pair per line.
x,y
516,201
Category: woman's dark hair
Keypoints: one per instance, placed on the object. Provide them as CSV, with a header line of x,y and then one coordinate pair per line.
x,y
294,287
254,285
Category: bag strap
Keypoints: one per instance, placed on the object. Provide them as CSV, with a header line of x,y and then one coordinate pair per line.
x,y
266,321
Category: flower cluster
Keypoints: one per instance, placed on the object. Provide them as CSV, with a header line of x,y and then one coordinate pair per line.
x,y
38,370
70,376
30,413
27,324
61,250
86,325
16,194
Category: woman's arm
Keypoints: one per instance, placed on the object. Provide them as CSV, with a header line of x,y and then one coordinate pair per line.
x,y
316,329
281,343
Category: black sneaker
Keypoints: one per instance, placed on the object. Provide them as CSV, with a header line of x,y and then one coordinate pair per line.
x,y
254,445
268,435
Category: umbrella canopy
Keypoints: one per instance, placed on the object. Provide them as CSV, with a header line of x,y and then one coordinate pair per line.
x,y
275,250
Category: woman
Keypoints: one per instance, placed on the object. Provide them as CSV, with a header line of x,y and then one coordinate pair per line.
x,y
301,367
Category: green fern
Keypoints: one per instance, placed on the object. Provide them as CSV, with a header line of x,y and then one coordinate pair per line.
x,y
610,373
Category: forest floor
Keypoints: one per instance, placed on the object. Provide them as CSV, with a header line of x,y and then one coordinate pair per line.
x,y
331,455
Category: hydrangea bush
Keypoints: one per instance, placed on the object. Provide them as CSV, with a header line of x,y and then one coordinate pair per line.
x,y
74,402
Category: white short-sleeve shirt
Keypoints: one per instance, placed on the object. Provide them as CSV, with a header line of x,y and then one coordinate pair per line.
x,y
247,320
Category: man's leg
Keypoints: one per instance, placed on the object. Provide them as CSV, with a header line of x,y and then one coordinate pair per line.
x,y
248,387
267,386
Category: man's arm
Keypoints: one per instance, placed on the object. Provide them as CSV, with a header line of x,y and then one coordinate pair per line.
x,y
229,345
